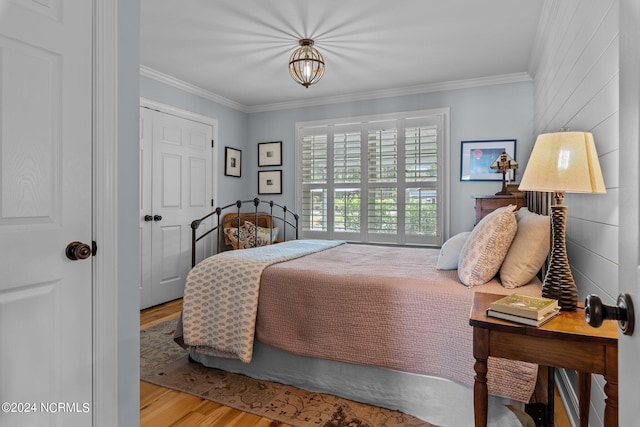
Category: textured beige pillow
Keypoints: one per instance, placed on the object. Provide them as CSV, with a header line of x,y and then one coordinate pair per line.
x,y
450,251
528,250
486,246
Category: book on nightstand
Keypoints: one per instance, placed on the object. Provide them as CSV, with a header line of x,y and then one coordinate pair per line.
x,y
524,306
525,320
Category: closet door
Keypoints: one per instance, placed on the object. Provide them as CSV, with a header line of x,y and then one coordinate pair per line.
x,y
146,209
180,191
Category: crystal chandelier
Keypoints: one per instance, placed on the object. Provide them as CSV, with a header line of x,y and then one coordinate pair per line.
x,y
306,65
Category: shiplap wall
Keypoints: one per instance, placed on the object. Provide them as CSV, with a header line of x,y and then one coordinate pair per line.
x,y
575,74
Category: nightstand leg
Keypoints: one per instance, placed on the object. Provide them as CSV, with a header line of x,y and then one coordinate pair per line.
x,y
611,402
584,397
480,392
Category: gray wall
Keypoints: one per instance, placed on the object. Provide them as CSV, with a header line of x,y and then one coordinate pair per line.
x,y
487,112
575,72
128,293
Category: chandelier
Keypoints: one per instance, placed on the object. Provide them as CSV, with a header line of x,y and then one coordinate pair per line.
x,y
306,65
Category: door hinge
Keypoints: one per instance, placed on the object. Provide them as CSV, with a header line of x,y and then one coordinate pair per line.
x,y
213,143
211,202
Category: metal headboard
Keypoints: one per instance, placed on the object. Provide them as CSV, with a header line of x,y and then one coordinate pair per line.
x,y
539,202
288,220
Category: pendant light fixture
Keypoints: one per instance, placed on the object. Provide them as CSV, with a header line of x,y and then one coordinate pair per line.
x,y
306,64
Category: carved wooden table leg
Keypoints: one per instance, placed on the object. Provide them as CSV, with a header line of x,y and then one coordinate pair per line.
x,y
584,397
480,391
611,387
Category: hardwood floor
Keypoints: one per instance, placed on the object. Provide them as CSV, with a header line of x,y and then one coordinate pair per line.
x,y
163,407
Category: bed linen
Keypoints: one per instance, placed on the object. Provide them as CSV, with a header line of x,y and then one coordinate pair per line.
x,y
379,306
221,297
383,306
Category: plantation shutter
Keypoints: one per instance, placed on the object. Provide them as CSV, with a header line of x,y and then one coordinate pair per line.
x,y
376,181
313,212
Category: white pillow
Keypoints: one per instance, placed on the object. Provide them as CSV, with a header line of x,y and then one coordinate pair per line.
x,y
450,251
486,246
528,250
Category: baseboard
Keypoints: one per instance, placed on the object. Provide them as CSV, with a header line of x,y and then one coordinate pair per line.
x,y
568,396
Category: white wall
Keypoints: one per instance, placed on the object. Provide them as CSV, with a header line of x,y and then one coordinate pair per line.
x,y
575,79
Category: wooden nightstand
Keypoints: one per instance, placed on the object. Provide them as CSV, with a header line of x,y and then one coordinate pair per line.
x,y
487,204
566,341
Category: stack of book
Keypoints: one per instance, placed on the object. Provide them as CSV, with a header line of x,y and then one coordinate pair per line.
x,y
525,309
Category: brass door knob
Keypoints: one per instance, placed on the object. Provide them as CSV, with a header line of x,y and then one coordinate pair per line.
x,y
78,250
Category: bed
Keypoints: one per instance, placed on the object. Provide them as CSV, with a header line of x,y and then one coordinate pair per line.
x,y
377,324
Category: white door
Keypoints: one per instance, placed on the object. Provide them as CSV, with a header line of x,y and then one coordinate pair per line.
x,y
181,191
45,203
629,248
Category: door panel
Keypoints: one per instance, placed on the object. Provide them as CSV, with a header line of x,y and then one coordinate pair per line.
x,y
180,180
45,203
145,182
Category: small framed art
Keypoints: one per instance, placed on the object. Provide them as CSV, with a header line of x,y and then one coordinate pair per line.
x,y
476,158
232,162
270,153
270,182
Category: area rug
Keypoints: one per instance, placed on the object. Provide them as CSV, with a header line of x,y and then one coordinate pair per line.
x,y
164,363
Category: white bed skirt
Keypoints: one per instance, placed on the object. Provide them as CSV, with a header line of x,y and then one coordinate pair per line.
x,y
435,400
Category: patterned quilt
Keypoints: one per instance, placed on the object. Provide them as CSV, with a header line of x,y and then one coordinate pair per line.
x,y
221,297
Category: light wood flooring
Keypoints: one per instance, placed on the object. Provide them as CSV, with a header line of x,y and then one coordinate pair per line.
x,y
163,407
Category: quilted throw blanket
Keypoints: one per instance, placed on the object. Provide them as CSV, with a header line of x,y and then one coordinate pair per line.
x,y
221,297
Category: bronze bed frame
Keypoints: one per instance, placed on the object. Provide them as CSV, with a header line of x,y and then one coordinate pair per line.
x,y
225,218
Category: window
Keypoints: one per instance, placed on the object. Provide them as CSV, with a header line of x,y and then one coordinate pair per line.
x,y
373,179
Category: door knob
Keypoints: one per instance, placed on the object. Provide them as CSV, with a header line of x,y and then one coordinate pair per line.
x,y
148,218
78,250
157,218
595,312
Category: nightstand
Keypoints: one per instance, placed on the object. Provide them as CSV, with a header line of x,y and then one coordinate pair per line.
x,y
566,341
487,204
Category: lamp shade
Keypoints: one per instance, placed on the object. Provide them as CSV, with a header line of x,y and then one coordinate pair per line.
x,y
564,162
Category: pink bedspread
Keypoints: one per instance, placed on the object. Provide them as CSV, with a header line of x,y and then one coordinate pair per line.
x,y
382,306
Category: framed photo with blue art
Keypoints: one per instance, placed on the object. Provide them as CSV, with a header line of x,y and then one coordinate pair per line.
x,y
476,158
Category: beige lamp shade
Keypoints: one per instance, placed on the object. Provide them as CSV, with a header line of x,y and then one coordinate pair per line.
x,y
564,162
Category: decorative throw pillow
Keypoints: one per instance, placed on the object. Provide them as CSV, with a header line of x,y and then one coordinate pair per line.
x,y
267,236
262,235
235,236
528,250
487,245
450,251
249,233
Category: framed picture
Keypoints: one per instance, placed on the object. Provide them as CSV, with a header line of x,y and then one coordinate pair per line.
x,y
476,158
270,153
232,162
270,182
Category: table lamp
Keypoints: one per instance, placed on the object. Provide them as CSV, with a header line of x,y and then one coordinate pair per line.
x,y
562,162
504,163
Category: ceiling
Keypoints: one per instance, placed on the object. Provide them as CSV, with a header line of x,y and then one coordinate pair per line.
x,y
239,49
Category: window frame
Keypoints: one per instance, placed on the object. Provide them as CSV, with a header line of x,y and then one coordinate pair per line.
x,y
364,124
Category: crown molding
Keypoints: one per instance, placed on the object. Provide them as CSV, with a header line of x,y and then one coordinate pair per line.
x,y
188,87
388,93
385,93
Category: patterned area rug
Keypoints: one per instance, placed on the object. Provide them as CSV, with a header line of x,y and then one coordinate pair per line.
x,y
164,363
